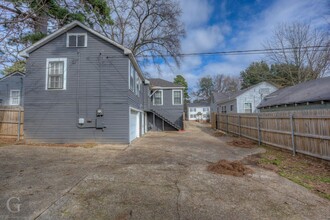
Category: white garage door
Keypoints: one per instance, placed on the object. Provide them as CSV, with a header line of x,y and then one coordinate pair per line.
x,y
134,125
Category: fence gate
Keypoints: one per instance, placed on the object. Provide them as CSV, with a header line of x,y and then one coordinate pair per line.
x,y
12,122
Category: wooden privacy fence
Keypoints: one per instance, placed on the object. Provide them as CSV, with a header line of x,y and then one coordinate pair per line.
x,y
11,122
306,132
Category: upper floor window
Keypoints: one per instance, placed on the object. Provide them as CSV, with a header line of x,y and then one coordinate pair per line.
x,y
135,82
177,97
76,40
248,107
15,97
158,97
56,73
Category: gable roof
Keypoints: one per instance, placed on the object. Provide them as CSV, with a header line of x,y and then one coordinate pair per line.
x,y
310,91
12,74
25,53
198,104
158,83
230,97
218,96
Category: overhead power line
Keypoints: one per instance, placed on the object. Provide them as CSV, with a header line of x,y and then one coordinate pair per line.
x,y
247,52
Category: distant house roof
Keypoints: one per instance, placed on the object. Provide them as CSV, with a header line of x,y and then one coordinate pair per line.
x,y
161,83
199,104
229,97
12,74
33,47
218,96
311,91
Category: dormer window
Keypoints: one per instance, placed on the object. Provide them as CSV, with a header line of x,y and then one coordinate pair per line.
x,y
76,40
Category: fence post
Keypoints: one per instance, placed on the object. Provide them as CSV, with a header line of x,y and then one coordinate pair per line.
x,y
259,131
19,125
292,135
239,125
227,123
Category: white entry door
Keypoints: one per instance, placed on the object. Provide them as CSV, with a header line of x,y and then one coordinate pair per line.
x,y
134,125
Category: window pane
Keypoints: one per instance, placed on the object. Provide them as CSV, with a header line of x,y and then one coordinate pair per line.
x,y
158,98
72,41
81,40
177,97
55,75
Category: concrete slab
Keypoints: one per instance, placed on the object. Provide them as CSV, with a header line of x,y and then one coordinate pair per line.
x,y
159,176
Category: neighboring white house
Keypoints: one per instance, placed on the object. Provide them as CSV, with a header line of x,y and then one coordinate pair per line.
x,y
246,100
198,111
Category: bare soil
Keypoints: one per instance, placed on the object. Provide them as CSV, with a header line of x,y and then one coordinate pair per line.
x,y
235,168
218,133
312,173
242,142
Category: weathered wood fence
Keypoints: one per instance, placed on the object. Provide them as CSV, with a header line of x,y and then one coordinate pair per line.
x,y
11,122
306,132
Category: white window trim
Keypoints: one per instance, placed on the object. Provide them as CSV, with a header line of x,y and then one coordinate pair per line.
x,y
75,34
11,97
64,72
176,90
248,108
153,100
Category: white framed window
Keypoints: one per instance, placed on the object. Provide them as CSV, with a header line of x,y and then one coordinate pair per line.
x,y
76,39
15,97
158,98
131,77
231,108
223,109
137,78
56,71
177,97
248,107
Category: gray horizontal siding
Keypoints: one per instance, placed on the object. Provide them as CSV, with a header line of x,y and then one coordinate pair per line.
x,y
168,110
14,82
52,116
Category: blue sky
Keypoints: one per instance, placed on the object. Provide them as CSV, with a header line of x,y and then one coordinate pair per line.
x,y
222,25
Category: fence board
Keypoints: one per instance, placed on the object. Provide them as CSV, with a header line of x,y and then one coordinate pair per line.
x,y
11,122
306,132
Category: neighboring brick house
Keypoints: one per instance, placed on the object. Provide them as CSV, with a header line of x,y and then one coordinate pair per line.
x,y
81,86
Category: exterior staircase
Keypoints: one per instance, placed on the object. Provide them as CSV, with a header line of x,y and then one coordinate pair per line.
x,y
177,127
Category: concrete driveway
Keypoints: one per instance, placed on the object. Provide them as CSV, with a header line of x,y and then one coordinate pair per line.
x,y
159,176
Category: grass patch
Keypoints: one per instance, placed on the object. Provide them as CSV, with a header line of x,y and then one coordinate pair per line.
x,y
314,174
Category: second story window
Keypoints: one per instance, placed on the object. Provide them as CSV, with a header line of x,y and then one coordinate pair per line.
x,y
56,73
76,40
158,98
177,97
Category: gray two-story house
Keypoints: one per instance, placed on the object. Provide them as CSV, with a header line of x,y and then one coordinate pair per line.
x,y
82,87
11,87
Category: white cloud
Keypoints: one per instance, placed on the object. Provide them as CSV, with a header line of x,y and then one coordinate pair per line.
x,y
195,12
203,39
252,32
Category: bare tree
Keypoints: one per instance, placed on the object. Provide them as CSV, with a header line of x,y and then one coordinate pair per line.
x,y
226,84
151,29
26,21
310,53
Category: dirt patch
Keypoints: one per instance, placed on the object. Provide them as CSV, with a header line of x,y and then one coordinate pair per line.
x,y
242,142
312,173
235,168
218,133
